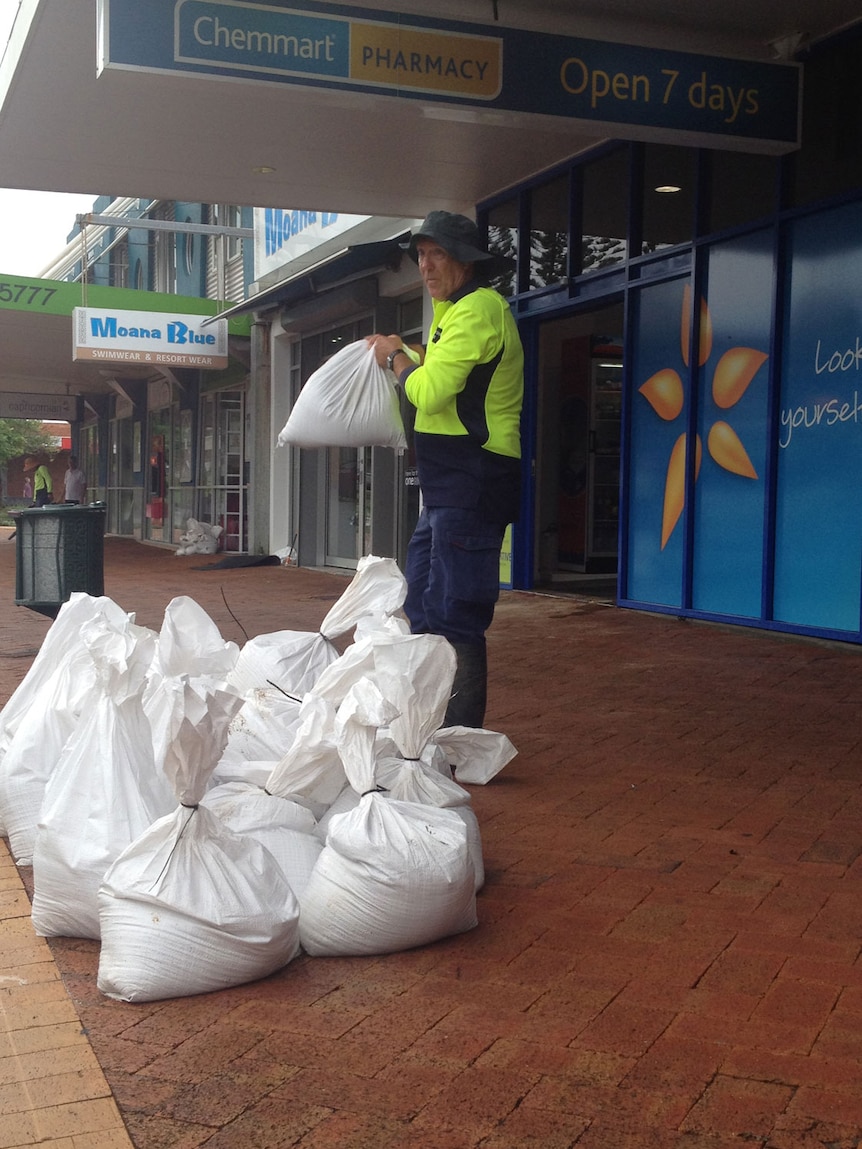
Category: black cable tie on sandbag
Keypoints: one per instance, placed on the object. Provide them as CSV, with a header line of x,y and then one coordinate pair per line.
x,y
375,790
281,690
403,759
184,806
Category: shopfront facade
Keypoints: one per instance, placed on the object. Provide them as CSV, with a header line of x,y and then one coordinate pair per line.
x,y
168,450
681,191
163,438
326,281
693,325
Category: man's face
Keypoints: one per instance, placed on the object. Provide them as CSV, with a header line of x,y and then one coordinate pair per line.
x,y
443,275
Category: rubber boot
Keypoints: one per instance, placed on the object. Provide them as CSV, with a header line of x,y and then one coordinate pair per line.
x,y
470,687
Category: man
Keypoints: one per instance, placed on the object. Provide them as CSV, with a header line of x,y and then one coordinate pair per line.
x,y
43,484
74,482
468,392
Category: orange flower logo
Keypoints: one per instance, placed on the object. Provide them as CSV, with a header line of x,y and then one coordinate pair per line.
x,y
665,393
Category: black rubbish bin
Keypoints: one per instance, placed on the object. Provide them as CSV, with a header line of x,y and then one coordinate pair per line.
x,y
60,549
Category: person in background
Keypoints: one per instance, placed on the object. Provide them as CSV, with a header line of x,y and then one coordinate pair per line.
x,y
28,495
74,482
43,484
468,393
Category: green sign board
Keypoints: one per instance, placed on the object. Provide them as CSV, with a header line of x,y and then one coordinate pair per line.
x,y
57,297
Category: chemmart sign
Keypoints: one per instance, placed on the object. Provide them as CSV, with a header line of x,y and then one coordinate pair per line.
x,y
643,93
146,337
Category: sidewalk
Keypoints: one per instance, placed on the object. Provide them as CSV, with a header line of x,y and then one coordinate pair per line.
x,y
668,954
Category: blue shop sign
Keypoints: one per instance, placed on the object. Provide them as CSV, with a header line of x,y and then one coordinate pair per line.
x,y
630,90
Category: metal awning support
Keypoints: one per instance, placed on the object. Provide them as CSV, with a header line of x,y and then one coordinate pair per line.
x,y
138,223
335,269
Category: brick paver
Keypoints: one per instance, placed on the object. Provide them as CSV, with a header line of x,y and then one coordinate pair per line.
x,y
668,954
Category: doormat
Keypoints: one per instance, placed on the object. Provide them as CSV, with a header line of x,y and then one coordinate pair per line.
x,y
231,561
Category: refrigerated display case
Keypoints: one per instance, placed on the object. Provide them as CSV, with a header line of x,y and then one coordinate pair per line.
x,y
604,466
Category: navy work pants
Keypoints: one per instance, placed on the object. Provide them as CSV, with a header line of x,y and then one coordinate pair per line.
x,y
453,574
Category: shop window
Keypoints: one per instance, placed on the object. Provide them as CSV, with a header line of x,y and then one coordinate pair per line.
x,y
317,348
549,233
119,266
122,494
186,243
830,159
503,240
741,188
89,457
410,319
604,211
229,215
163,252
667,197
159,471
221,495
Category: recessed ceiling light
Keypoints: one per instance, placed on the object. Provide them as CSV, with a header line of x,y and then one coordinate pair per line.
x,y
263,170
666,189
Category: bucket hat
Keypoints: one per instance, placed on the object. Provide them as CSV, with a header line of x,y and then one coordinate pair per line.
x,y
458,236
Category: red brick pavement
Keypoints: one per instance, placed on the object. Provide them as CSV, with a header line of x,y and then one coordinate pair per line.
x,y
668,954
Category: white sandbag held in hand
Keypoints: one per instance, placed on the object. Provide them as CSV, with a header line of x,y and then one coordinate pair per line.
x,y
350,401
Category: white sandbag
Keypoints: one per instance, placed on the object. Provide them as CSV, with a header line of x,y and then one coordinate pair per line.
x,y
475,755
287,829
370,625
61,639
189,645
104,791
348,799
191,906
392,875
416,669
350,401
413,672
189,642
376,591
417,782
416,677
61,642
311,771
292,661
260,734
287,660
37,748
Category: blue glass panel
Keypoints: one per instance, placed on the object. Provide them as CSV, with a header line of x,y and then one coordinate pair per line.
x,y
819,508
730,493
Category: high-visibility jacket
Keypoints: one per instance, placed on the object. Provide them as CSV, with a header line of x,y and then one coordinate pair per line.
x,y
42,480
468,395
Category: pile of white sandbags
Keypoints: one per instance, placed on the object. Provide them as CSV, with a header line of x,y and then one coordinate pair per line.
x,y
206,810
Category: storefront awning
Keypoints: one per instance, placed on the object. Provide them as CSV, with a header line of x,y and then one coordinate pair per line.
x,y
339,268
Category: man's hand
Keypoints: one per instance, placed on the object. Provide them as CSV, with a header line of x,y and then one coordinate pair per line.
x,y
384,346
